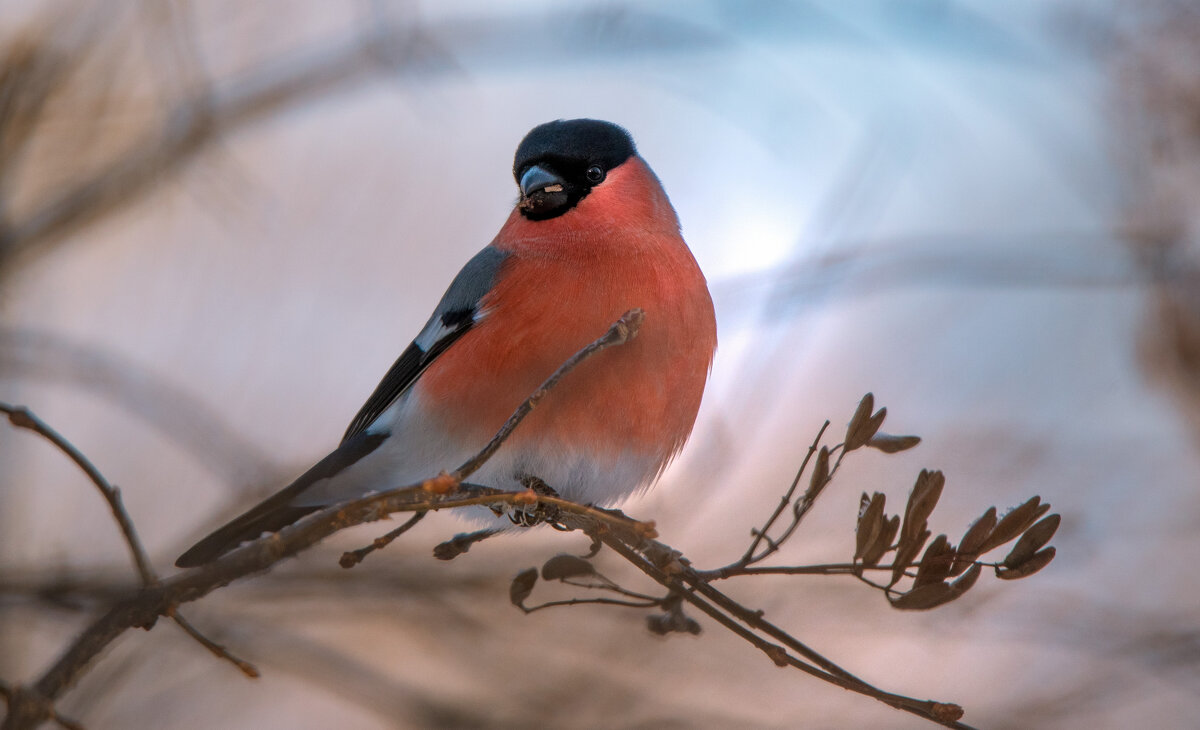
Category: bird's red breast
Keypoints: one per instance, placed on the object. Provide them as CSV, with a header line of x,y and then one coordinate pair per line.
x,y
618,249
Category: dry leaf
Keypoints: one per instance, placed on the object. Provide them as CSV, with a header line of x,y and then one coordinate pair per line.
x,y
889,444
522,586
1033,540
863,425
870,524
564,566
925,597
1029,567
820,474
906,552
924,497
883,543
969,546
935,564
1012,524
964,582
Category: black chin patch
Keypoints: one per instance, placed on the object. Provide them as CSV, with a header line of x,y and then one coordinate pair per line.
x,y
569,148
542,205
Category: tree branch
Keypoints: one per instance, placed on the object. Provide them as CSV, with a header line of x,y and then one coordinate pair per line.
x,y
22,417
634,541
680,579
162,598
218,651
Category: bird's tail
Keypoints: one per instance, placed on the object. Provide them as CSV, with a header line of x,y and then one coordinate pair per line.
x,y
268,516
280,510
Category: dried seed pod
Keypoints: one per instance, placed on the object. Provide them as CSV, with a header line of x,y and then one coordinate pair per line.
x,y
870,524
859,420
925,597
924,497
565,566
883,543
905,553
935,564
1033,540
964,582
1029,567
863,424
1012,524
820,473
969,546
672,622
889,444
522,586
875,422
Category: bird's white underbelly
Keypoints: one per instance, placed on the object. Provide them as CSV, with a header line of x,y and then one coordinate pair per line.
x,y
417,449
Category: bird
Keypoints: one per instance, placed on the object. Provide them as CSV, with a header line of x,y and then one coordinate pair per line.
x,y
591,236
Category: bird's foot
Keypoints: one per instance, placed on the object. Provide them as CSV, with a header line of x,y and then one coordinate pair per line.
x,y
537,513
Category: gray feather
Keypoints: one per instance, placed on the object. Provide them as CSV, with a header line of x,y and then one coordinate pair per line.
x,y
455,314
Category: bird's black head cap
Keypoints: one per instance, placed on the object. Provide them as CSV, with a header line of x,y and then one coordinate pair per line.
x,y
558,163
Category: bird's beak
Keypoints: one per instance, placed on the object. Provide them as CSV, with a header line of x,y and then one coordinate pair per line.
x,y
538,179
542,193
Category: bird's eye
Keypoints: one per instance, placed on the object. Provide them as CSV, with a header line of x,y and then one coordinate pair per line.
x,y
595,174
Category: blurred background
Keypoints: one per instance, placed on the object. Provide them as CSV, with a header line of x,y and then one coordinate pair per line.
x,y
221,221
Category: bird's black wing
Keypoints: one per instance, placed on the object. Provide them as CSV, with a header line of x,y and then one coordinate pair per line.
x,y
456,313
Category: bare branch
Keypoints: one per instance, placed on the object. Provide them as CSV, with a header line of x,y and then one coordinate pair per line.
x,y
632,540
352,558
761,533
161,598
219,651
21,702
461,543
943,713
22,417
583,601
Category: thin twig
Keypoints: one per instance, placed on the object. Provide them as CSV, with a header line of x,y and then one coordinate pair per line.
x,y
805,504
219,651
608,585
442,493
351,558
755,620
581,601
621,331
761,533
461,543
887,590
22,417
942,713
821,569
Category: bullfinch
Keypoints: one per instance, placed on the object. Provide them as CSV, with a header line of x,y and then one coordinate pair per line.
x,y
592,236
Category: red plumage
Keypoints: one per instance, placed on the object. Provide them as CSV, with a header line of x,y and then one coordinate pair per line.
x,y
566,280
593,236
